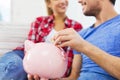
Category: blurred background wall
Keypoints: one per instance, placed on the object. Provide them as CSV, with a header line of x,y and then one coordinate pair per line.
x,y
17,15
25,11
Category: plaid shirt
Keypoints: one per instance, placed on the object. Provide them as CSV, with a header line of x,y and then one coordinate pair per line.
x,y
42,27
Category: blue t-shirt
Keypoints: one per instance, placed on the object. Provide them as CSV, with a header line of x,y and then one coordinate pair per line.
x,y
106,37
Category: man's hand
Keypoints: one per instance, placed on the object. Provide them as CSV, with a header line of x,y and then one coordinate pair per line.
x,y
69,37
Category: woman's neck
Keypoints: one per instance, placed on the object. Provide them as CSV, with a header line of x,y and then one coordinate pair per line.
x,y
59,22
59,17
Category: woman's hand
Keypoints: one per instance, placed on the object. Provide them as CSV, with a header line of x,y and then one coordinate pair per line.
x,y
33,77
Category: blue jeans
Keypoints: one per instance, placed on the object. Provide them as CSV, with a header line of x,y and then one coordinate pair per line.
x,y
94,76
11,66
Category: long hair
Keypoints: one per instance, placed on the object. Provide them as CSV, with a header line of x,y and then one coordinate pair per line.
x,y
113,1
49,10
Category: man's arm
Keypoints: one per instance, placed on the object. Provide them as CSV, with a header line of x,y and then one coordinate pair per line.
x,y
108,62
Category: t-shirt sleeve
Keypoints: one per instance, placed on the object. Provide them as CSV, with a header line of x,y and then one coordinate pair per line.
x,y
75,52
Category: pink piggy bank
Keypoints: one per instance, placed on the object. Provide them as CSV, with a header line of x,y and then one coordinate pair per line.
x,y
45,60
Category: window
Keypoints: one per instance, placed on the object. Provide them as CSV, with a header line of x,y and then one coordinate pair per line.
x,y
5,10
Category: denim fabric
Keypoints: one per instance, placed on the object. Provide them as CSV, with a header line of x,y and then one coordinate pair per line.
x,y
94,76
11,66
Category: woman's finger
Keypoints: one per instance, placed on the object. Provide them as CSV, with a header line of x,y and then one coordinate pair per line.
x,y
36,77
30,77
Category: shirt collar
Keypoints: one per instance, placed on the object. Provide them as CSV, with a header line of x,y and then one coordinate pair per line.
x,y
51,18
67,20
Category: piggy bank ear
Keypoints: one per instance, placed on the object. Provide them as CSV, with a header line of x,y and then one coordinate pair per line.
x,y
28,45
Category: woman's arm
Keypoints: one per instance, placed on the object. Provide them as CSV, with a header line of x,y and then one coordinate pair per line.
x,y
76,66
